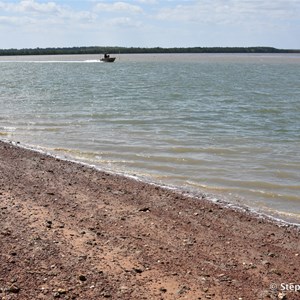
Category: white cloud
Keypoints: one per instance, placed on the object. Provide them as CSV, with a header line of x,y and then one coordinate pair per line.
x,y
118,7
231,11
32,11
15,21
31,6
35,7
147,1
123,22
269,9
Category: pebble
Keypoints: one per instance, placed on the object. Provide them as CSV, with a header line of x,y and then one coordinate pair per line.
x,y
82,278
48,224
13,289
282,296
123,288
265,263
144,209
182,290
138,270
61,291
163,290
275,271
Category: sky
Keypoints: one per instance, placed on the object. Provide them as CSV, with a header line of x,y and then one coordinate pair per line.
x,y
149,23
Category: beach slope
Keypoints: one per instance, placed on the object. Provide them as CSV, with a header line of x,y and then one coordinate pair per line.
x,y
69,231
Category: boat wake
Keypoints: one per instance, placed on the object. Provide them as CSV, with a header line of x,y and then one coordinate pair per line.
x,y
92,60
54,61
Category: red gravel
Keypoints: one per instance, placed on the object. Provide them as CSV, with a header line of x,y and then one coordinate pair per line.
x,y
68,231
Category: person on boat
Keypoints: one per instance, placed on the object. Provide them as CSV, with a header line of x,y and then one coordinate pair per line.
x,y
106,55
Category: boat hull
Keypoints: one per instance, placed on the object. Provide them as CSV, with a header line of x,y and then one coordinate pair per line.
x,y
108,59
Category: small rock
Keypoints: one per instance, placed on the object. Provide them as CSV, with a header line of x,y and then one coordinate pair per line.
x,y
82,257
144,209
123,288
282,296
183,290
163,290
48,224
265,263
61,291
138,270
189,242
6,232
13,289
82,278
275,271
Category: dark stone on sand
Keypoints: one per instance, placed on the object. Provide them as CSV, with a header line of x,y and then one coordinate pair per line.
x,y
13,289
82,278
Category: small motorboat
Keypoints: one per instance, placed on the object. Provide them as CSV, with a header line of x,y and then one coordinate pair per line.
x,y
107,58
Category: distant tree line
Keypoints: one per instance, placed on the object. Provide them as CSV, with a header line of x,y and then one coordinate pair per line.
x,y
134,50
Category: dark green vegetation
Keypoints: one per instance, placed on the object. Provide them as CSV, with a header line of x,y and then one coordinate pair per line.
x,y
101,50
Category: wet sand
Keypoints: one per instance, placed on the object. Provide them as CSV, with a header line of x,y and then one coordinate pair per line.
x,y
69,231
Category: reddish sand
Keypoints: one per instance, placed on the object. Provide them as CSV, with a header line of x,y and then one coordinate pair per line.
x,y
71,232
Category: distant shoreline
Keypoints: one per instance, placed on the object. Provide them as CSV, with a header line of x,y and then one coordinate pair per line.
x,y
138,50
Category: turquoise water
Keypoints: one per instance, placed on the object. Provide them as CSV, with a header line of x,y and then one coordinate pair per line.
x,y
226,125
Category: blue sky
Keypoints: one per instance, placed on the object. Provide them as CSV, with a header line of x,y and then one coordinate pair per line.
x,y
149,23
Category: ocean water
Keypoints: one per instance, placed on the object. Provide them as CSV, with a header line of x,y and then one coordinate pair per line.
x,y
227,125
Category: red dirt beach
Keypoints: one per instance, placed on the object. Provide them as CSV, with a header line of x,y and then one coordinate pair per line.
x,y
69,231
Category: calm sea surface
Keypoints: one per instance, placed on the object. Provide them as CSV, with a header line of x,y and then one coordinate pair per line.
x,y
225,125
